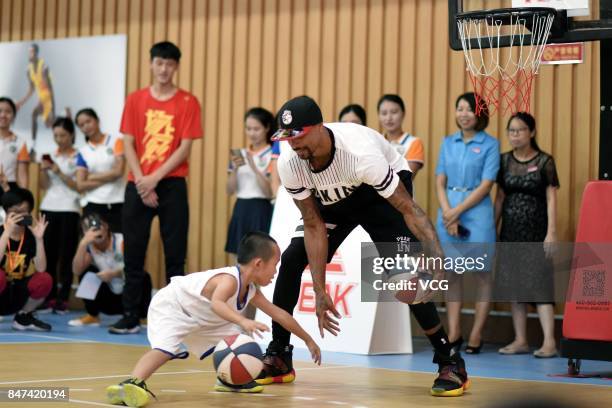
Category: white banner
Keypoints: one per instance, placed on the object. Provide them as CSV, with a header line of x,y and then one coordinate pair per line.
x,y
573,7
83,72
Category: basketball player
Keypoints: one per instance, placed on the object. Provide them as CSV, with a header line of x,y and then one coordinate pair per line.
x,y
202,308
39,79
341,175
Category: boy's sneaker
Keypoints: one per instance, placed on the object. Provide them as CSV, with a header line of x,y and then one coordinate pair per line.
x,y
452,378
60,307
87,320
278,365
125,325
28,321
251,387
130,392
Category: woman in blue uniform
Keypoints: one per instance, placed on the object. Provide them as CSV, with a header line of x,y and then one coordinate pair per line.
x,y
466,171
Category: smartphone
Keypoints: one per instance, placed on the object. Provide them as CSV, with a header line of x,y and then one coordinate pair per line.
x,y
94,222
47,157
463,232
237,153
25,221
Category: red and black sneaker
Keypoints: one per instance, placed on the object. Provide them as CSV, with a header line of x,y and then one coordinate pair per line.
x,y
452,380
278,365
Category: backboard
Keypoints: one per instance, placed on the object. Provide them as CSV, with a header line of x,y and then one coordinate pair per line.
x,y
574,22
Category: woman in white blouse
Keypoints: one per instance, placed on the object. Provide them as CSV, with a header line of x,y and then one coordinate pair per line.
x,y
60,206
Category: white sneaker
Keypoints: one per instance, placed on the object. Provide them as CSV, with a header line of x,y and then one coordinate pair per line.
x,y
87,320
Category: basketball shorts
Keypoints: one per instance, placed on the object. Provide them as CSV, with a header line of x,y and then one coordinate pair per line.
x,y
172,330
44,96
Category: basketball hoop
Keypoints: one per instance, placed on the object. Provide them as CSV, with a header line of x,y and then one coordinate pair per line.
x,y
502,80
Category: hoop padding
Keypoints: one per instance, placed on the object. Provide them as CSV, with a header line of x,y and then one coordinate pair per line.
x,y
502,79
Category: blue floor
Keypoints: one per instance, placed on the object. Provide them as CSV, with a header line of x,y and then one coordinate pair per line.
x,y
488,364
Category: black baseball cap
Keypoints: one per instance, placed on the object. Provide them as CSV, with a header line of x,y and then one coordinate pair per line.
x,y
296,117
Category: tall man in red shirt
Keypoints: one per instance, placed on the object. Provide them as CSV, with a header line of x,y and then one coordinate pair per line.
x,y
159,125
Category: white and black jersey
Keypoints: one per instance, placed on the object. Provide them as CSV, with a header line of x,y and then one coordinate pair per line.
x,y
360,155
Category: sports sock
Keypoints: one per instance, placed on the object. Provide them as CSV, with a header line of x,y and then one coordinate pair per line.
x,y
439,340
32,304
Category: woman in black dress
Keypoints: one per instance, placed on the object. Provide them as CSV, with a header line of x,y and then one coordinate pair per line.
x,y
526,205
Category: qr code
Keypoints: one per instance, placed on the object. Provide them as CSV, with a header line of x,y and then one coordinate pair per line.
x,y
593,283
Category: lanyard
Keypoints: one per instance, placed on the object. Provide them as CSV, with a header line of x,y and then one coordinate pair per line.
x,y
10,254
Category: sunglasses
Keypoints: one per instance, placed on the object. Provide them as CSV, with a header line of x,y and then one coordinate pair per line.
x,y
286,134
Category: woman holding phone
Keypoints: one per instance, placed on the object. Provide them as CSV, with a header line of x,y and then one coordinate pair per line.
x,y
250,174
60,206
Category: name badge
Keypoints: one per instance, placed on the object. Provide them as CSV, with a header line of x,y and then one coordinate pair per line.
x,y
476,150
531,169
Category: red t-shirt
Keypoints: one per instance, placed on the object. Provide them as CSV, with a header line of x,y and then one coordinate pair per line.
x,y
159,126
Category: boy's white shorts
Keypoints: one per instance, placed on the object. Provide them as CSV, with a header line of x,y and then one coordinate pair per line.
x,y
171,330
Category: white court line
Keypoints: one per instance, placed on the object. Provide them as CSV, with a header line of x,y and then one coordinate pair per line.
x,y
337,402
173,391
190,371
21,343
495,378
304,398
97,378
44,336
99,404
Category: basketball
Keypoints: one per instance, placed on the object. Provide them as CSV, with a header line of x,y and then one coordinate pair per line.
x,y
237,359
413,292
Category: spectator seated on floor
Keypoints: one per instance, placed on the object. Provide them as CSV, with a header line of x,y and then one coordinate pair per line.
x,y
21,242
102,250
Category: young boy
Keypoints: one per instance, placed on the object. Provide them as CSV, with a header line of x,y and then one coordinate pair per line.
x,y
200,309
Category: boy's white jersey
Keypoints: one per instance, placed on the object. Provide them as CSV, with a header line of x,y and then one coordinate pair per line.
x,y
189,288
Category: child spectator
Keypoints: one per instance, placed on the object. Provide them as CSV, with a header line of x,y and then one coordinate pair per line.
x,y
21,242
103,249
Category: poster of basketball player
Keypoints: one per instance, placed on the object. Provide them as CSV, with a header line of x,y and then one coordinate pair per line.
x,y
52,78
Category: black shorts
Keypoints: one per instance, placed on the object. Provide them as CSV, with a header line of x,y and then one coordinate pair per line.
x,y
14,296
369,209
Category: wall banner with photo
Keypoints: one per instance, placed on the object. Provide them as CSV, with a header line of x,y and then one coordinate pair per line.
x,y
53,78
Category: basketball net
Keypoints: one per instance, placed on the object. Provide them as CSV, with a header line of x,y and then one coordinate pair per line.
x,y
502,79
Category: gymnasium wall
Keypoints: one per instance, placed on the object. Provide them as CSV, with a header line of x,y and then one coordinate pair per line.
x,y
242,53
